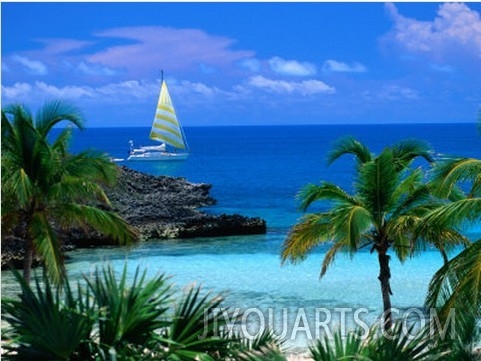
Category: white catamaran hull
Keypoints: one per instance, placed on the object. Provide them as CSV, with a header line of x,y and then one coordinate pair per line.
x,y
151,157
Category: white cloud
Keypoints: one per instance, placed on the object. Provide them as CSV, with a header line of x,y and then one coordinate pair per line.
x,y
32,66
22,92
151,47
338,66
122,92
127,90
96,69
455,25
67,92
61,46
291,67
16,91
200,88
306,87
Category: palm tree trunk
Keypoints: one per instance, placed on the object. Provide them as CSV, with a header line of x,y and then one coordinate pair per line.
x,y
28,259
384,277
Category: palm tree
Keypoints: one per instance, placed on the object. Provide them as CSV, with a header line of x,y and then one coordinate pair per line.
x,y
45,189
389,199
458,282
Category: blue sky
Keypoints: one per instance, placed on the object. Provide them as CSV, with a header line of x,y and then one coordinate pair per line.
x,y
247,63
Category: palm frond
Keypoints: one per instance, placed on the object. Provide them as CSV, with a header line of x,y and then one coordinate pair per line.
x,y
267,339
405,151
262,354
325,191
129,312
411,234
21,186
451,171
458,283
41,177
349,145
402,343
62,142
108,223
409,192
350,225
376,185
312,230
265,346
340,347
91,165
196,327
46,323
54,112
455,213
46,244
330,256
71,189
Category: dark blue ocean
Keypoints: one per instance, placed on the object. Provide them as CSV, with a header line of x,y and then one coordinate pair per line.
x,y
257,171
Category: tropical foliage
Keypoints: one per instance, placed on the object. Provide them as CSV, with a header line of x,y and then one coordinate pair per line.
x,y
389,200
110,318
45,189
457,284
401,343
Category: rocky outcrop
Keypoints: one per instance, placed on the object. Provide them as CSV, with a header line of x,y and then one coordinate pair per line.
x,y
158,208
165,207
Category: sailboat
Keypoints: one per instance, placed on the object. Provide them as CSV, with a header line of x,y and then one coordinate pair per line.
x,y
167,130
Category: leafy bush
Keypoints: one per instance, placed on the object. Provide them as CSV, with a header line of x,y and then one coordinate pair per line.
x,y
110,319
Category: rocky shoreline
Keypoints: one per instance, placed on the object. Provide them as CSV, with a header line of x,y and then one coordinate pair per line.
x,y
165,207
158,207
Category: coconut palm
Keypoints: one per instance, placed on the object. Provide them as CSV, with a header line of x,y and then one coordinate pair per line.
x,y
457,285
45,189
389,199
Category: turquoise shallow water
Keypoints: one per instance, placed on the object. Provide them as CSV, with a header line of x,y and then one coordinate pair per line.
x,y
256,171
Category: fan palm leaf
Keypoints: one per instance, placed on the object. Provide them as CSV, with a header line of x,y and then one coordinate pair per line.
x,y
130,313
266,346
196,328
46,323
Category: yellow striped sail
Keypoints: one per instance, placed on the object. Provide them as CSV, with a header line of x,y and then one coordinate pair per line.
x,y
166,128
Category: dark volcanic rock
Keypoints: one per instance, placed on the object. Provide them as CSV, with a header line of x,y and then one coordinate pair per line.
x,y
143,199
158,208
165,207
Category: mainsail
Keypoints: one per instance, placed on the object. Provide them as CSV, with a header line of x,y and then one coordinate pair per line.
x,y
166,127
